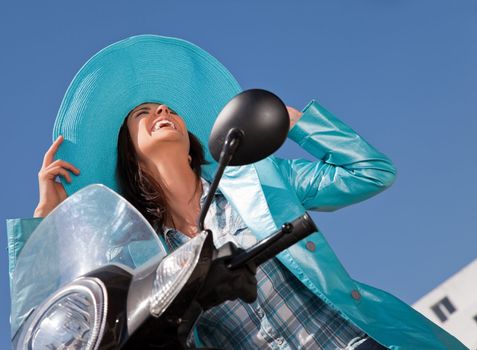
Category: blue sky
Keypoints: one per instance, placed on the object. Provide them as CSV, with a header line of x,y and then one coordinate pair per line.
x,y
402,73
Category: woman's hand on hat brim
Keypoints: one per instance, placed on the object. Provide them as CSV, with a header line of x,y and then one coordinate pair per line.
x,y
51,191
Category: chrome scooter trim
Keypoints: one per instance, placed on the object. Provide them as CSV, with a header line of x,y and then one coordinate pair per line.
x,y
95,289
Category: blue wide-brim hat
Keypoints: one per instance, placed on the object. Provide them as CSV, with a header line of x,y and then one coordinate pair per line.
x,y
144,68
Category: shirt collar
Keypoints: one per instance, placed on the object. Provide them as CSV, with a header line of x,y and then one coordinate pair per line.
x,y
205,190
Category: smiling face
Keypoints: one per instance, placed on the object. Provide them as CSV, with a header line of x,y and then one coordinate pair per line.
x,y
155,129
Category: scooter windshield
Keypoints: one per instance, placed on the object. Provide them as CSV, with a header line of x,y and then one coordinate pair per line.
x,y
90,229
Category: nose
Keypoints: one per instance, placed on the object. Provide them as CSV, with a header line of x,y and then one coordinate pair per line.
x,y
162,110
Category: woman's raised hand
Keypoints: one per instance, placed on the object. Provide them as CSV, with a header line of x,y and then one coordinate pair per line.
x,y
52,192
294,114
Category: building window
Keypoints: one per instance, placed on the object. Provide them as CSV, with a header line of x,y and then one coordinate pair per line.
x,y
443,309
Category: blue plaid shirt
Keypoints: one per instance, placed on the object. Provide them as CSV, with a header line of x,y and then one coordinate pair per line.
x,y
286,315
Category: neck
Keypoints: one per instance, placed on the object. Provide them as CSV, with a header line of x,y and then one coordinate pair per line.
x,y
183,190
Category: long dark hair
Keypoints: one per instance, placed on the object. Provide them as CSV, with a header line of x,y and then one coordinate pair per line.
x,y
143,190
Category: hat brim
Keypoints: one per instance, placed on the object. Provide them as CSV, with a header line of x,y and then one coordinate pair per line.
x,y
145,68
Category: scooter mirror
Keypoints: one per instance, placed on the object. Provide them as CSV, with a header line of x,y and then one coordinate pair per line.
x,y
263,121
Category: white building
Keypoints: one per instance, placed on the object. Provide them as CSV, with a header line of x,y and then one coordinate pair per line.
x,y
453,305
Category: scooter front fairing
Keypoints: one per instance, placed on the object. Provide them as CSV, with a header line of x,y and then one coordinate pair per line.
x,y
91,229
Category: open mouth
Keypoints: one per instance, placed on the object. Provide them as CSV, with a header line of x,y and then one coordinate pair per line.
x,y
164,123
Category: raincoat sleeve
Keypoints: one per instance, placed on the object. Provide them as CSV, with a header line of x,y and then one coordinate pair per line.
x,y
18,232
347,169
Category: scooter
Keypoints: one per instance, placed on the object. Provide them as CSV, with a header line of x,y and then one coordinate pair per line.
x,y
95,275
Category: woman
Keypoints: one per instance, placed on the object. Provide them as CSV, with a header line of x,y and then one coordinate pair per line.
x,y
149,79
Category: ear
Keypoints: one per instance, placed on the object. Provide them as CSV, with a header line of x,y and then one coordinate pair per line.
x,y
190,159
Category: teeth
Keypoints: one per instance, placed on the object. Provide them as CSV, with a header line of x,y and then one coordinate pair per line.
x,y
163,123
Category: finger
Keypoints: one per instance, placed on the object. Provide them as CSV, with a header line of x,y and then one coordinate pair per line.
x,y
292,110
248,291
52,172
65,174
61,191
294,115
50,154
251,267
66,165
250,295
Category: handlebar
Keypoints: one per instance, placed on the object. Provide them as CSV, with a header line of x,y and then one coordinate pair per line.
x,y
286,236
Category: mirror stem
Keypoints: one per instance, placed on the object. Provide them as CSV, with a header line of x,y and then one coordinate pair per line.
x,y
232,141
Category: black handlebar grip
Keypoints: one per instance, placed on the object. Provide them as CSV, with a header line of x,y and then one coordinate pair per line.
x,y
289,234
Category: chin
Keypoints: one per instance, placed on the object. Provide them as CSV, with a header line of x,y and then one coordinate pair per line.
x,y
170,140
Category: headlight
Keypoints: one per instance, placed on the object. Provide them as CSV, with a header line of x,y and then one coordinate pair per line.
x,y
73,318
173,273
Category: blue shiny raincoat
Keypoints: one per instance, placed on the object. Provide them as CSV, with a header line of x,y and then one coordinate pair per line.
x,y
274,191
